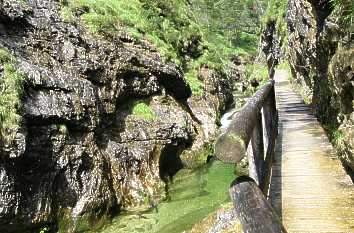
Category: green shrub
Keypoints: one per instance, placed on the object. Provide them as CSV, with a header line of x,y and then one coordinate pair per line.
x,y
10,96
44,230
142,110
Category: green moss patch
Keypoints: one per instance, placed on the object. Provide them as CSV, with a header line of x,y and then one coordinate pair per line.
x,y
195,84
11,87
142,110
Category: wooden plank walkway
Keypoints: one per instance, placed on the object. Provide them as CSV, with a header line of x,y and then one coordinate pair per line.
x,y
309,188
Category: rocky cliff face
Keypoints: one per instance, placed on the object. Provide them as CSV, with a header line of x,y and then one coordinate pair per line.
x,y
321,58
103,122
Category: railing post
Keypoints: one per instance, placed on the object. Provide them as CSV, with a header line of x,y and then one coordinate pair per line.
x,y
256,159
271,125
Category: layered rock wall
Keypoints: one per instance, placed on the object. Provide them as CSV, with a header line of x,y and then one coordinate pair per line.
x,y
83,151
320,48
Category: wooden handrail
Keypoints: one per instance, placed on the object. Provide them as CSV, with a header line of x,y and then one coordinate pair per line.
x,y
231,146
258,115
247,124
253,210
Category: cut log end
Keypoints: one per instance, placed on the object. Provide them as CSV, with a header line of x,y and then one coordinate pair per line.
x,y
253,209
230,148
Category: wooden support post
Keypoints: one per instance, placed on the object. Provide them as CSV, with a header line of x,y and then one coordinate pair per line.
x,y
252,208
271,125
256,160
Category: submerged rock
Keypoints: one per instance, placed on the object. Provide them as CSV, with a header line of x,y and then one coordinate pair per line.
x,y
224,220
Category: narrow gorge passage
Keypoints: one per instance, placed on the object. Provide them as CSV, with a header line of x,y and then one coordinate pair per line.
x,y
110,113
309,189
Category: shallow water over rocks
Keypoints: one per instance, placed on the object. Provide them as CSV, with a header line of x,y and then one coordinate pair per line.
x,y
193,195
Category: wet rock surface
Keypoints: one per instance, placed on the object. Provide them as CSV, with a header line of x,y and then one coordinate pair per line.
x,y
81,154
206,110
270,46
224,220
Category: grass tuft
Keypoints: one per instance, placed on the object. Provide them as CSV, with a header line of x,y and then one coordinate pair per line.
x,y
195,84
142,110
345,8
10,97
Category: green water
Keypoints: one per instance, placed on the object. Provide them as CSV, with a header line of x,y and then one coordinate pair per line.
x,y
194,194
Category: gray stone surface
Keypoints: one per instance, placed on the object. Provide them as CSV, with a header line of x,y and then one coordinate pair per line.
x,y
80,154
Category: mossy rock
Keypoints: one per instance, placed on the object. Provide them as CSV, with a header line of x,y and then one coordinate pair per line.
x,y
143,110
213,221
193,159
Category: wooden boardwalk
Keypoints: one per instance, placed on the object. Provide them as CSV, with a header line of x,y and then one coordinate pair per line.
x,y
309,188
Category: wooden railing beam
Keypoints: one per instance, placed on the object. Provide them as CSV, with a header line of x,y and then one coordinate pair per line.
x,y
231,146
251,205
253,210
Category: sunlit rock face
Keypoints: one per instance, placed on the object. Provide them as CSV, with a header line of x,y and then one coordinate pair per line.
x,y
321,58
81,153
206,110
342,88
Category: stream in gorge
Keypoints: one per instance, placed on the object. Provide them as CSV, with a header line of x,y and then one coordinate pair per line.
x,y
193,195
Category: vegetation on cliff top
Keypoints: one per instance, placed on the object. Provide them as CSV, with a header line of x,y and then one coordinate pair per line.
x,y
10,96
192,33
